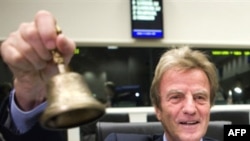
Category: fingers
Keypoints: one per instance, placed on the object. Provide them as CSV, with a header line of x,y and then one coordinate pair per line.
x,y
66,47
12,55
49,37
45,24
29,48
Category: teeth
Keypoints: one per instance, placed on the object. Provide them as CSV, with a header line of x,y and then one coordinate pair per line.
x,y
189,122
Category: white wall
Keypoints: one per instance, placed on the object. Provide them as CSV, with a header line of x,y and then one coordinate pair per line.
x,y
205,23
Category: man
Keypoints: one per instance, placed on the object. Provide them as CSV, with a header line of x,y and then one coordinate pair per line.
x,y
182,92
27,52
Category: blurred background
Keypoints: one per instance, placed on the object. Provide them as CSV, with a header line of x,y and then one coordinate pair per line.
x,y
121,76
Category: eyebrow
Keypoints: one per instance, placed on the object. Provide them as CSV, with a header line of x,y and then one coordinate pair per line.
x,y
181,92
174,91
201,92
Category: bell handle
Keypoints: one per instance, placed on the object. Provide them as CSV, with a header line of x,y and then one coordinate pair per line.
x,y
57,57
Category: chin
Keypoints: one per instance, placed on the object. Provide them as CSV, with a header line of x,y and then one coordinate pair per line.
x,y
191,137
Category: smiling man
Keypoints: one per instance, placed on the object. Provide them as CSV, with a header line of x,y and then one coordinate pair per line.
x,y
182,92
184,106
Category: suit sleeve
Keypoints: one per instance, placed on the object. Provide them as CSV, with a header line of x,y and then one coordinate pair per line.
x,y
9,131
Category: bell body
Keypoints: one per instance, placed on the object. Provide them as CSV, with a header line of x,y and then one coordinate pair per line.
x,y
70,103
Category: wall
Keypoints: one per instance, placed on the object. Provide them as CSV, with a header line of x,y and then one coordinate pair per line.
x,y
203,23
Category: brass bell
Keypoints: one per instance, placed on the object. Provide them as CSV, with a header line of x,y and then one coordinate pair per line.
x,y
70,102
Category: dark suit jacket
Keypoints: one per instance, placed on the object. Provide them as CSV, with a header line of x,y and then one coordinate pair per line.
x,y
37,133
140,137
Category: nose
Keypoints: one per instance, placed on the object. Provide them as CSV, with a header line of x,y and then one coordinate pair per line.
x,y
189,106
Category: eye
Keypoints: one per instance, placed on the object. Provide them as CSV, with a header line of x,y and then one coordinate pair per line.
x,y
175,98
201,98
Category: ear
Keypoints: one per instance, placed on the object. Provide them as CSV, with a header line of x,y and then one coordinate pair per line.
x,y
158,113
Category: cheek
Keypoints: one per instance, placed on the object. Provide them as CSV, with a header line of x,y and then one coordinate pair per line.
x,y
205,112
205,108
208,113
167,111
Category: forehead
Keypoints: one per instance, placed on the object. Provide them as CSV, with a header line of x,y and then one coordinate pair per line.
x,y
189,78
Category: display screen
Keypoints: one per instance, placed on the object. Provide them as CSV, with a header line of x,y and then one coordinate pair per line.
x,y
147,18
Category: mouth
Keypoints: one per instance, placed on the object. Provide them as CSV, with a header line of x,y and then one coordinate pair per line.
x,y
189,122
190,126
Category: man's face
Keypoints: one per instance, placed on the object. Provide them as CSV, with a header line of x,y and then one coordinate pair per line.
x,y
185,104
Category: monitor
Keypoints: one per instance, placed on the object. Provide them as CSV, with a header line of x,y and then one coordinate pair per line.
x,y
146,19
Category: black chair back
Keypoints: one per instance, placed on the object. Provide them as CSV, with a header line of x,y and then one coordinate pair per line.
x,y
236,117
215,129
89,130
